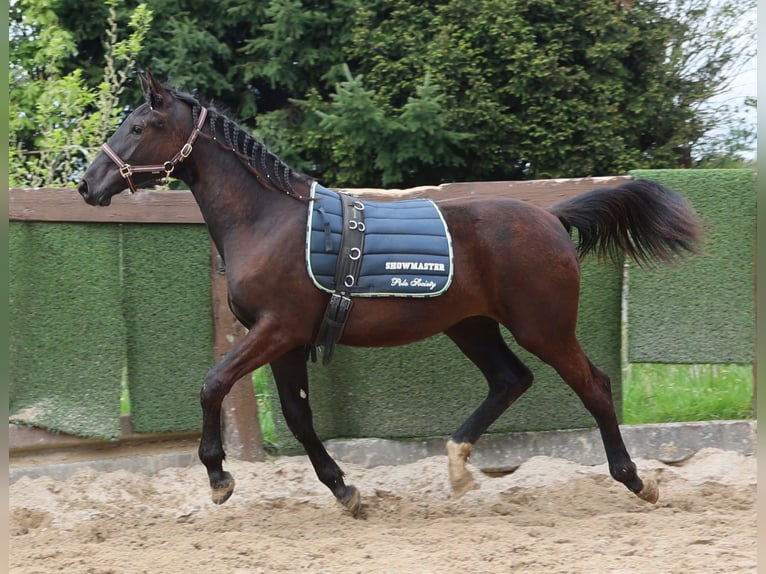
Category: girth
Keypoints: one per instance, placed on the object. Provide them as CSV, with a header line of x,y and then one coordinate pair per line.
x,y
346,276
372,249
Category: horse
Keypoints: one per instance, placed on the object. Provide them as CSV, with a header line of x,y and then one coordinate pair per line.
x,y
515,265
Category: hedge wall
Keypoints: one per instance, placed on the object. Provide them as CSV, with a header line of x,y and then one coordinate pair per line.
x,y
702,310
88,301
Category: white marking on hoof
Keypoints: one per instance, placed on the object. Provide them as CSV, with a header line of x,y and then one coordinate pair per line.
x,y
460,477
650,492
303,394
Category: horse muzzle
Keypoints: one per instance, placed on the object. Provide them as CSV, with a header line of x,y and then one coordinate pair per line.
x,y
91,198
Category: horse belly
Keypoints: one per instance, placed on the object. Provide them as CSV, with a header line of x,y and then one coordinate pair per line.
x,y
393,321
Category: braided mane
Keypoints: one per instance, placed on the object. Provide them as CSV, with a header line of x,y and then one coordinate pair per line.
x,y
266,165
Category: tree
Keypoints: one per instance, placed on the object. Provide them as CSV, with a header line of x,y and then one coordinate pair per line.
x,y
708,42
397,93
196,45
545,88
55,118
363,143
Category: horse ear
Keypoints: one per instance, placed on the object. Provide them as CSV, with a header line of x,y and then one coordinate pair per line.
x,y
153,89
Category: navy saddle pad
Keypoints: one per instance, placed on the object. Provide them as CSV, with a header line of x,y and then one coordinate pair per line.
x,y
407,246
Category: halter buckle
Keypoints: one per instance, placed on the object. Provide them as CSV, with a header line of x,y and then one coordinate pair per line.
x,y
126,171
186,150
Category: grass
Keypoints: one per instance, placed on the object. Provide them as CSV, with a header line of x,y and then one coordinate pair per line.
x,y
125,393
654,393
265,407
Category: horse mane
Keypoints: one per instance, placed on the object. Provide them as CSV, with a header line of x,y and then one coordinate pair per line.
x,y
265,164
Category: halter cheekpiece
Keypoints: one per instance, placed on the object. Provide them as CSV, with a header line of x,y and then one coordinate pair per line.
x,y
127,170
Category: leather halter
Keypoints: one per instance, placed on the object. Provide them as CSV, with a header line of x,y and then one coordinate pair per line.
x,y
127,170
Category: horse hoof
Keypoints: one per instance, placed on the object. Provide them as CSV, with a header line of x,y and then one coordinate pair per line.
x,y
460,477
650,492
461,484
223,489
352,500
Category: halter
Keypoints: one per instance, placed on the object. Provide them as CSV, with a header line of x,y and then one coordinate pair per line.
x,y
127,170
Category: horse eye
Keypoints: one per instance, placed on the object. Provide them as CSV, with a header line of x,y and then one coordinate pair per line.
x,y
137,129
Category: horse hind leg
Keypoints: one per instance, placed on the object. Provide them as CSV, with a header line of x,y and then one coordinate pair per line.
x,y
479,338
595,391
597,398
291,376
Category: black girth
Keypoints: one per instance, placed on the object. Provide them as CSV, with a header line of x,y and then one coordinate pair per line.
x,y
346,276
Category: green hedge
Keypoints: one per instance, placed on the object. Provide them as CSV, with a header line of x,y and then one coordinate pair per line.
x,y
88,300
66,333
701,311
169,318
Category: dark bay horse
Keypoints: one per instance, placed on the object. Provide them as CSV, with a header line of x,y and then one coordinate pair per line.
x,y
515,265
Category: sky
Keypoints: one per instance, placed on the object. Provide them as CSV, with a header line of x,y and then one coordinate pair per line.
x,y
744,84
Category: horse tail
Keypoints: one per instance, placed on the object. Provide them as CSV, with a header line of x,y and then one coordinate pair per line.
x,y
640,219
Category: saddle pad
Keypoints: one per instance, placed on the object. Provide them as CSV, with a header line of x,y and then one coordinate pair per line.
x,y
407,247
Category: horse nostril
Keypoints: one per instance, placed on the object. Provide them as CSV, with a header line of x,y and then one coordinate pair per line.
x,y
83,188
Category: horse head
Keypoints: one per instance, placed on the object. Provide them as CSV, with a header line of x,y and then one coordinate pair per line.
x,y
148,145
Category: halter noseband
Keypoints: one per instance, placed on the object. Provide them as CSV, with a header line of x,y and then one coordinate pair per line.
x,y
127,170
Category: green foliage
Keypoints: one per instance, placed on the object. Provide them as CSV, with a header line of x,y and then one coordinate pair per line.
x,y
366,143
266,405
297,46
543,89
654,393
398,93
419,141
728,149
192,44
56,118
120,57
60,138
354,126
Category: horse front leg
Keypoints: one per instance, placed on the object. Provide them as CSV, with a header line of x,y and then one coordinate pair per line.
x,y
261,344
291,375
479,338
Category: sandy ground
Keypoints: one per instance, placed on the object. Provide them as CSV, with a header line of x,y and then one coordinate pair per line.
x,y
549,516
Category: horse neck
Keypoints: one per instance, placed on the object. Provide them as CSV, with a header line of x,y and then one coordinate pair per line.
x,y
230,196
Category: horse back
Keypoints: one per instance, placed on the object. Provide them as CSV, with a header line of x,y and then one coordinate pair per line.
x,y
505,252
